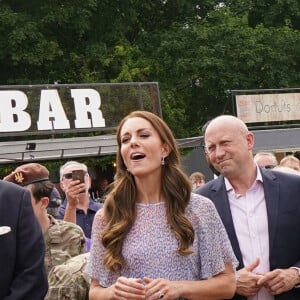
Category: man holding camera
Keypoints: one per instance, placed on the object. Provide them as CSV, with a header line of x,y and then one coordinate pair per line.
x,y
78,207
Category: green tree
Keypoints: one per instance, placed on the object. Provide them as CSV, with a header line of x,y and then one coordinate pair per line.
x,y
275,13
199,62
197,52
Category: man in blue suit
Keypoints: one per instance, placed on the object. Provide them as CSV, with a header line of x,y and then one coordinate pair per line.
x,y
260,210
22,249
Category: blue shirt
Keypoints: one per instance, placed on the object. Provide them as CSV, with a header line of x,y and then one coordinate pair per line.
x,y
85,221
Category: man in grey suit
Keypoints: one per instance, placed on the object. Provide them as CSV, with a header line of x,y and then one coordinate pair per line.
x,y
260,210
22,249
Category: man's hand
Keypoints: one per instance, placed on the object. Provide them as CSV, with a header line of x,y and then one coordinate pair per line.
x,y
280,280
247,283
73,192
73,195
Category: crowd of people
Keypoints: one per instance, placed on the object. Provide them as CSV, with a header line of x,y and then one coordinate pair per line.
x,y
159,234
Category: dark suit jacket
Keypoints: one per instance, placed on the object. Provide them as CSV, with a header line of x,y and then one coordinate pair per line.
x,y
282,194
22,250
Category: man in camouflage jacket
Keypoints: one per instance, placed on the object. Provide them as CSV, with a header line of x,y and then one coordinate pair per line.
x,y
63,240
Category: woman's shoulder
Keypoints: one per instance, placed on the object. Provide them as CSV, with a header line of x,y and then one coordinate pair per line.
x,y
200,202
200,208
100,216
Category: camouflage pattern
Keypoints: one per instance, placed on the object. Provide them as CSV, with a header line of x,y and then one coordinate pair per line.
x,y
68,280
63,240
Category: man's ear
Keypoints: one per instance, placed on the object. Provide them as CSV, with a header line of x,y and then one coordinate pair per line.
x,y
62,186
45,201
250,140
89,181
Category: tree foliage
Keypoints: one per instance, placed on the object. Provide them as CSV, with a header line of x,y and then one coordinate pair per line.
x,y
197,51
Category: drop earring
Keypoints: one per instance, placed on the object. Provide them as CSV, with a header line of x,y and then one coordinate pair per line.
x,y
162,161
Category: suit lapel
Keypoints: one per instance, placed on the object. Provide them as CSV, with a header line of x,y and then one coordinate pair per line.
x,y
220,199
271,190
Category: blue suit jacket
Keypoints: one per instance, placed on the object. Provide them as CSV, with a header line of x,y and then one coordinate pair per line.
x,y
282,194
22,249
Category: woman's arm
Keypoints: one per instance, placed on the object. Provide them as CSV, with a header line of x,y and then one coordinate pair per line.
x,y
123,289
221,286
99,292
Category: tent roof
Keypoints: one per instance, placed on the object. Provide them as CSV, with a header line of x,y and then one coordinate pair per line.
x,y
66,148
280,140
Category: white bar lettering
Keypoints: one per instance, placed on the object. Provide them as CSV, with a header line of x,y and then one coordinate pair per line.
x,y
12,115
87,103
51,111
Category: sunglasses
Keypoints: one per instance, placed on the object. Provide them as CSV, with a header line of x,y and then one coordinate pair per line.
x,y
269,167
70,175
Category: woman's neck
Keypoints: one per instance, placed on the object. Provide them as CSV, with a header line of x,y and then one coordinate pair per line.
x,y
149,194
149,189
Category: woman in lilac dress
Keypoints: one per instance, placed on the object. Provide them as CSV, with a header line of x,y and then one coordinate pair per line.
x,y
154,239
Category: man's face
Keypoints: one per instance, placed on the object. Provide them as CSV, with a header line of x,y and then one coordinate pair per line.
x,y
266,162
67,177
292,164
40,206
227,147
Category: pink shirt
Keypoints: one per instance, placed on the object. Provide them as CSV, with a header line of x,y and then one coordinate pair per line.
x,y
250,221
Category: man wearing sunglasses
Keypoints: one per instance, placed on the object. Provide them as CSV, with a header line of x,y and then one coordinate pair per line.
x,y
77,207
266,160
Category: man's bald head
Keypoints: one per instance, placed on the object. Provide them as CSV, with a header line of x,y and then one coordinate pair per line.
x,y
227,121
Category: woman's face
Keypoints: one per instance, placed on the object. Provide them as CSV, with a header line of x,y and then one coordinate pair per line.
x,y
141,147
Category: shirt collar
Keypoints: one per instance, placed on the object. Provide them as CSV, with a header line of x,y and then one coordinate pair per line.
x,y
259,178
93,206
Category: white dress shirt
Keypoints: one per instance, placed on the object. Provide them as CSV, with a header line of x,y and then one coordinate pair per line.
x,y
250,221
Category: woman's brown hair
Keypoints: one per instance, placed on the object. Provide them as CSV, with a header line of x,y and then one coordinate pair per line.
x,y
120,203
